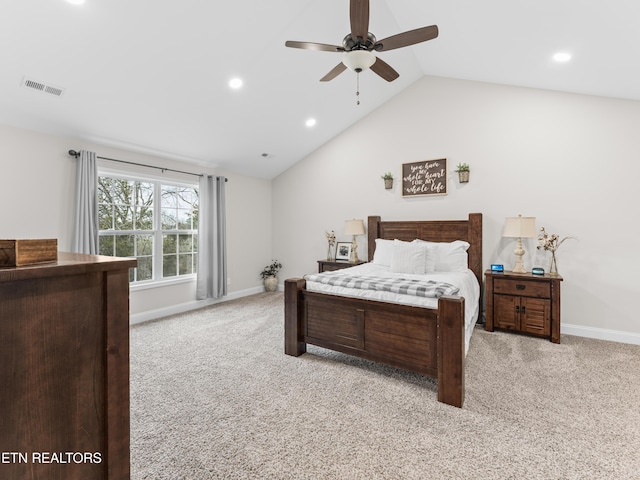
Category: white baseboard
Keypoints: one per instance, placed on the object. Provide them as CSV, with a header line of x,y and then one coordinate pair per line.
x,y
600,333
185,307
568,329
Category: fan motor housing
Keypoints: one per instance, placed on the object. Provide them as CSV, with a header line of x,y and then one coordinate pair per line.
x,y
350,44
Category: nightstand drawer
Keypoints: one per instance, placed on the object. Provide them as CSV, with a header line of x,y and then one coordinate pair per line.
x,y
523,288
330,266
333,268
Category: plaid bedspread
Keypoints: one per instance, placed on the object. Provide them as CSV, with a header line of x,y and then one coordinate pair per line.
x,y
405,286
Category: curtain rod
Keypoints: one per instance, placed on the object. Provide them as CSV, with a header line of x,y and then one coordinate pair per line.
x,y
76,154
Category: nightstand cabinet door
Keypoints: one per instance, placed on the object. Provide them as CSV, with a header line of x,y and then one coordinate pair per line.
x,y
535,316
506,312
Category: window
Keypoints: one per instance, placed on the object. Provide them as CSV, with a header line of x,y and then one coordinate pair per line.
x,y
154,221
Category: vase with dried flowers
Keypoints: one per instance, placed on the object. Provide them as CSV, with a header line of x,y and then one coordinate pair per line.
x,y
331,239
551,243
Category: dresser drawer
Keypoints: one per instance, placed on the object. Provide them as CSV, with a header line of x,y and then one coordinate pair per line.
x,y
523,288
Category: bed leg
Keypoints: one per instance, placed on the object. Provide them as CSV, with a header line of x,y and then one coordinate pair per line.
x,y
451,351
293,317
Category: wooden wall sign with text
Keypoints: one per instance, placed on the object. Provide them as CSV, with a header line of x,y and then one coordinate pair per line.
x,y
428,177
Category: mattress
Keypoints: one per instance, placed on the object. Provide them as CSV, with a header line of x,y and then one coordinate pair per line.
x,y
466,281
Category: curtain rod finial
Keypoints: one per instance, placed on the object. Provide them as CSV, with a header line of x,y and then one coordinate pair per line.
x,y
73,153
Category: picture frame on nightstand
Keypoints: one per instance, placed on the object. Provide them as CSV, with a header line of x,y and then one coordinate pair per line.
x,y
343,251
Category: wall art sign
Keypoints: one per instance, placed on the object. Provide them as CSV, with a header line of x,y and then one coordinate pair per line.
x,y
428,177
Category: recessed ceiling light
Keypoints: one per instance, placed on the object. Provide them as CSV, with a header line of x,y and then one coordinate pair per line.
x,y
562,57
311,122
76,2
235,83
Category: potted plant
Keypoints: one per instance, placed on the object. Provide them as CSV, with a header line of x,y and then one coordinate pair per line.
x,y
388,180
463,172
269,276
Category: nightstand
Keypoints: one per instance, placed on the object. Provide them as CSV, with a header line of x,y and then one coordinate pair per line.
x,y
523,302
329,266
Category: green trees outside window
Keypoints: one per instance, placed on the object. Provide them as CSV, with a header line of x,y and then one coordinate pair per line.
x,y
152,221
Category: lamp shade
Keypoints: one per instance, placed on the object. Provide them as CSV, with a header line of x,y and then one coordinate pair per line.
x,y
519,227
354,227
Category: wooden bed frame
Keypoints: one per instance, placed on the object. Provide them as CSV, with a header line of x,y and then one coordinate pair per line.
x,y
429,341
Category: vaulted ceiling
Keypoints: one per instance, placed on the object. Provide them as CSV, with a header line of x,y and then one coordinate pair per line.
x,y
152,75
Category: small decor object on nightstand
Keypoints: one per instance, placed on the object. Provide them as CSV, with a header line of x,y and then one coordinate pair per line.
x,y
550,243
388,180
519,227
331,239
343,251
270,276
463,172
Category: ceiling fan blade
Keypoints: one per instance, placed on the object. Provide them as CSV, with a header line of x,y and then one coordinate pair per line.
x,y
385,70
407,38
337,70
359,15
320,47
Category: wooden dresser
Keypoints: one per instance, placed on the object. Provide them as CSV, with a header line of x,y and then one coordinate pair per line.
x,y
64,369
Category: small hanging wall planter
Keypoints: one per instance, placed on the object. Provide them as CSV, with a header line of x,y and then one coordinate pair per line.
x,y
463,172
388,180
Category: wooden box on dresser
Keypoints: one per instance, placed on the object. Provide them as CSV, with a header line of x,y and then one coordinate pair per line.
x,y
523,302
64,369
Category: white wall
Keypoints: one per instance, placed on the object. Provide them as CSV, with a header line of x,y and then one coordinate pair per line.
x,y
37,193
569,160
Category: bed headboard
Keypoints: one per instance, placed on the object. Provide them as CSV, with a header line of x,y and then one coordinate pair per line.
x,y
435,231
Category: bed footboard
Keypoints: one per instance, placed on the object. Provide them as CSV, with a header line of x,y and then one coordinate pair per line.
x,y
451,350
422,340
293,316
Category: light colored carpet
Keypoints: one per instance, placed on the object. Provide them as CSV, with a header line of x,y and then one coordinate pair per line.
x,y
214,396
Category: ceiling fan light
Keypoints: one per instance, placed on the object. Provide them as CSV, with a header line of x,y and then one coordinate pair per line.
x,y
358,60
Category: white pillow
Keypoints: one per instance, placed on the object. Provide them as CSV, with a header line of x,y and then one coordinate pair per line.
x,y
409,257
450,257
383,252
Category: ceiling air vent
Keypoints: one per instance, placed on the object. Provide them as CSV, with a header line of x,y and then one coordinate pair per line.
x,y
42,87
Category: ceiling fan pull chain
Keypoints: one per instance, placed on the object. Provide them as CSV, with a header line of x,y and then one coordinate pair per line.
x,y
357,87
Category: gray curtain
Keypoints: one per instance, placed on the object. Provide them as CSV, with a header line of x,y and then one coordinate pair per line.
x,y
85,235
212,239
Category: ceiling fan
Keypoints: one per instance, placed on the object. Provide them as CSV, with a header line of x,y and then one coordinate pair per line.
x,y
357,46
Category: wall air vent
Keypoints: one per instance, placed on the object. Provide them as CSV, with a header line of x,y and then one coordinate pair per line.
x,y
42,87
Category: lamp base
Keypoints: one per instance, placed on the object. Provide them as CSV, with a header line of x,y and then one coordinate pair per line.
x,y
519,251
353,257
519,268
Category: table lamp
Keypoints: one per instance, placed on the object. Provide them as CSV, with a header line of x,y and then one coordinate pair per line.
x,y
354,227
519,227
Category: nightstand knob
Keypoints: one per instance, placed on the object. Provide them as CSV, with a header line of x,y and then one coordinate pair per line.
x,y
520,287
